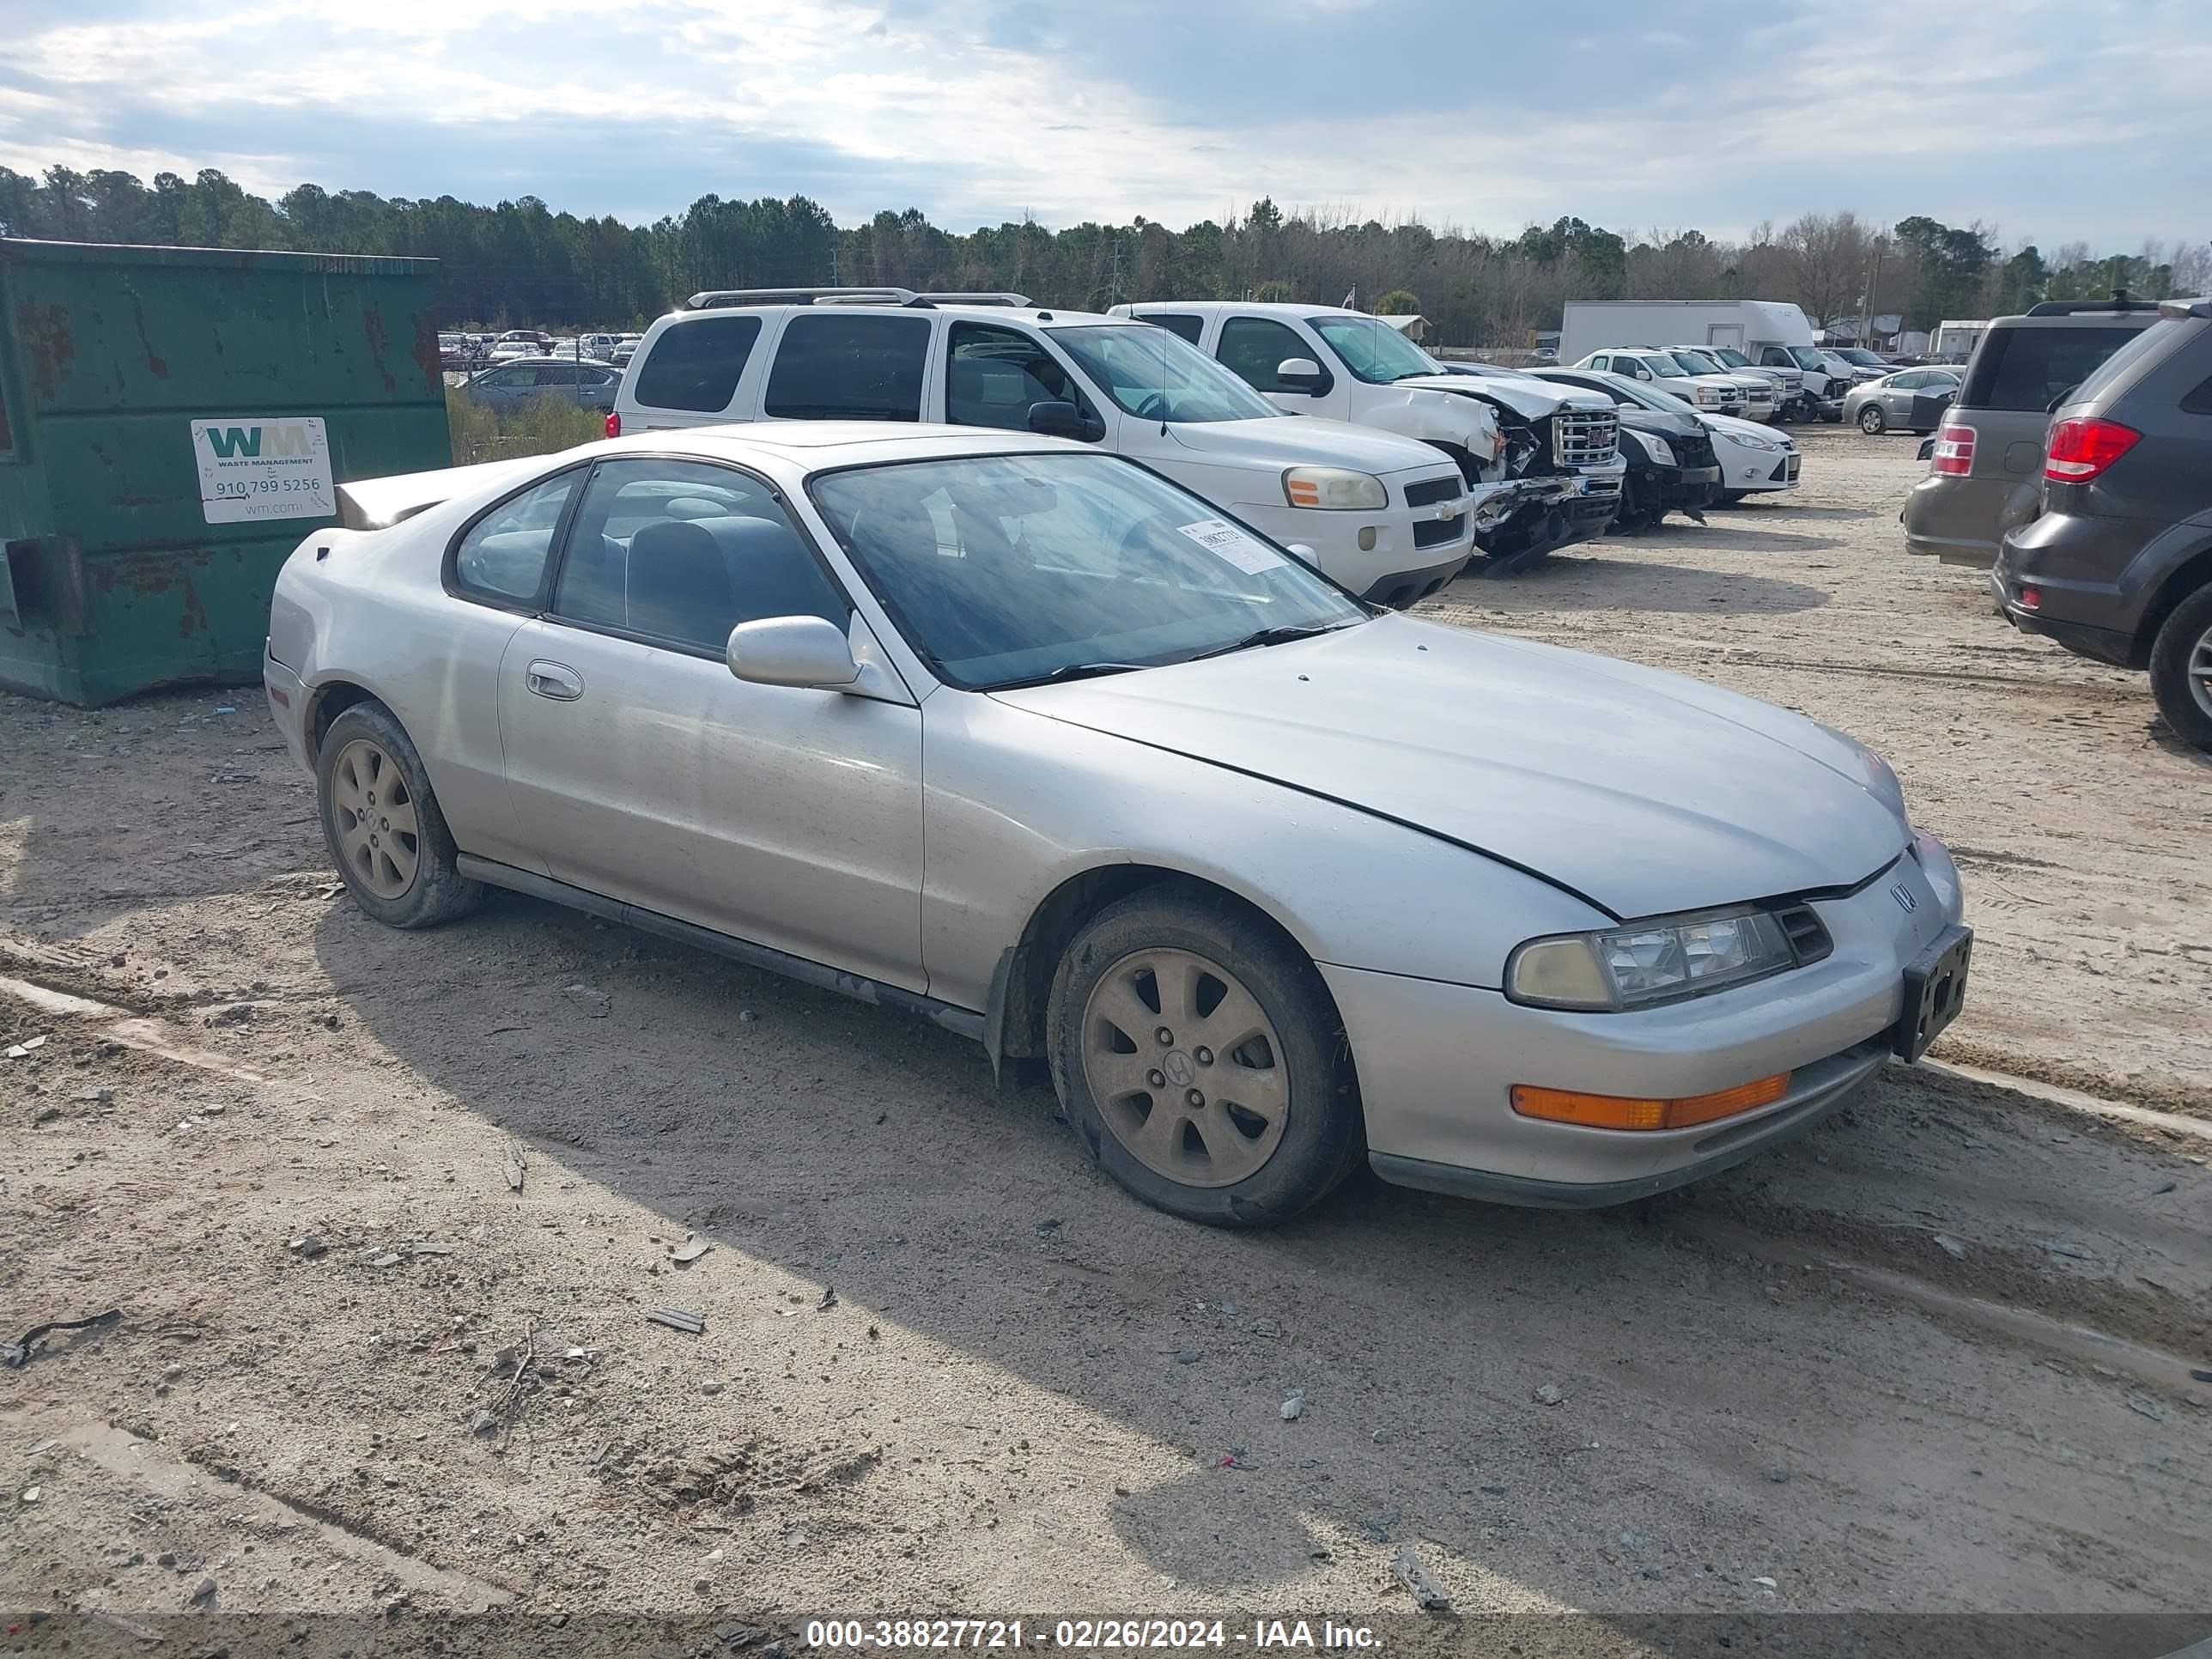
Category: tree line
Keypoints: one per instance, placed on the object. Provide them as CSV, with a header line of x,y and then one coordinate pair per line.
x,y
520,264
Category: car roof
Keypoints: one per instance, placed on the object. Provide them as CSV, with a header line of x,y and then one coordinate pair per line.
x,y
1244,307
816,446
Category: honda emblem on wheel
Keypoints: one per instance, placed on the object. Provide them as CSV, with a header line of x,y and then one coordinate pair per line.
x,y
1903,895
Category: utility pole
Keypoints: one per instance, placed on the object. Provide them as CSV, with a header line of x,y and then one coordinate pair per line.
x,y
1115,296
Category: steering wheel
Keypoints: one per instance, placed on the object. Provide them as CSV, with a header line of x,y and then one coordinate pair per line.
x,y
1154,408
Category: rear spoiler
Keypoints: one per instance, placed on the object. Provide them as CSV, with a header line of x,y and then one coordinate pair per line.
x,y
379,503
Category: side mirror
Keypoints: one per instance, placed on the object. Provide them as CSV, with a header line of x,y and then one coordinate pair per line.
x,y
802,651
1059,419
1303,552
1302,374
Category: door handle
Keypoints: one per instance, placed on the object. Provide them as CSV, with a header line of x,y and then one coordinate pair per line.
x,y
555,680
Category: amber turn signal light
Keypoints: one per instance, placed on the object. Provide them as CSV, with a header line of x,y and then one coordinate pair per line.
x,y
1633,1112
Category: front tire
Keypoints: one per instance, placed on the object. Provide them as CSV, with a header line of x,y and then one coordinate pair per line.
x,y
382,824
1201,1062
2181,669
1871,421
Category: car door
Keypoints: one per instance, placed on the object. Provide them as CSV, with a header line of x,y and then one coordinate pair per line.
x,y
1253,347
994,376
645,772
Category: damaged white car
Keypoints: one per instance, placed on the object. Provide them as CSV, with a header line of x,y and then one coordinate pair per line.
x,y
1037,743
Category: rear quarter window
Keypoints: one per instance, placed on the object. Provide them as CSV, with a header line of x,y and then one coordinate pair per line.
x,y
695,366
832,368
2024,368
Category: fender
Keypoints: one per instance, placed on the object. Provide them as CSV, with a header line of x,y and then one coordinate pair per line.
x,y
1438,417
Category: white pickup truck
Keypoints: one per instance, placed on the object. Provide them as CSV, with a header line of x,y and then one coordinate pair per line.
x,y
1387,517
1553,478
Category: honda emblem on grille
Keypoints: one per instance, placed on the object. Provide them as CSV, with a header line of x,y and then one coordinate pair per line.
x,y
1906,901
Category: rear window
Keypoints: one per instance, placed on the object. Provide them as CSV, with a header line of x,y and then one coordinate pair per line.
x,y
2024,368
2147,345
696,365
1176,322
829,367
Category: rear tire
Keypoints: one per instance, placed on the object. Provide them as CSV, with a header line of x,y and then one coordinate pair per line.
x,y
1871,421
383,826
1246,1137
2181,669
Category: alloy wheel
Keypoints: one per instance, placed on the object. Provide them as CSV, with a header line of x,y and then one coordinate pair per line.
x,y
1186,1067
375,816
2199,675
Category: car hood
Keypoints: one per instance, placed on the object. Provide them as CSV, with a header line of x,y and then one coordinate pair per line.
x,y
1730,426
1642,791
1639,419
1531,400
1297,440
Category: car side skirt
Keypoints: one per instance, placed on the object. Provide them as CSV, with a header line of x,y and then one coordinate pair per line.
x,y
962,1022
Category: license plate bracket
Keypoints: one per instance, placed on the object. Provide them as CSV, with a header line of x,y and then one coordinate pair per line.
x,y
1935,991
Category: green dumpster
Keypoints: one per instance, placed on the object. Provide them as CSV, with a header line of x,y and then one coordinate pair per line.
x,y
173,420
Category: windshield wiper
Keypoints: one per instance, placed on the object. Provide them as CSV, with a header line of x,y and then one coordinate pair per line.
x,y
1074,670
1281,633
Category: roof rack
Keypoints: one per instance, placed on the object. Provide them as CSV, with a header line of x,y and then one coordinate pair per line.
x,y
715,299
2119,301
982,297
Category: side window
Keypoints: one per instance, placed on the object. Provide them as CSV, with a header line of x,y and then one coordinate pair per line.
x,y
695,366
849,367
557,374
1601,361
1178,322
1251,347
501,556
684,551
995,376
1772,357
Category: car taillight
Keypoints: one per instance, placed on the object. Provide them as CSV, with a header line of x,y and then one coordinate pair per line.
x,y
2081,448
614,424
1954,449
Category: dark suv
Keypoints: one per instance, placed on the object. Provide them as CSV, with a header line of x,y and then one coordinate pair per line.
x,y
2119,566
1988,456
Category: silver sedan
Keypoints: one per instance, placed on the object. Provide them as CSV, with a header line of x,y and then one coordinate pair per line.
x,y
1035,744
1910,400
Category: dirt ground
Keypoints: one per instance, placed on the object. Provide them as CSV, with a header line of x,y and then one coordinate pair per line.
x,y
1933,1359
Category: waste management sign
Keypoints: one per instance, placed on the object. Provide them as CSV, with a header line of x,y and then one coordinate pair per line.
x,y
277,467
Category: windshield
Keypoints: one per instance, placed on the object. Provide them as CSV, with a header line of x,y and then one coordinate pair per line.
x,y
1728,355
1664,366
1863,357
1698,364
1159,376
1806,357
1375,352
1008,569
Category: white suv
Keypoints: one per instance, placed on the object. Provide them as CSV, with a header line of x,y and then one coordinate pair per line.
x,y
1387,517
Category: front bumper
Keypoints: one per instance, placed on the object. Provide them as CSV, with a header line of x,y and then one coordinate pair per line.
x,y
288,706
1437,1062
1746,470
1395,555
1687,486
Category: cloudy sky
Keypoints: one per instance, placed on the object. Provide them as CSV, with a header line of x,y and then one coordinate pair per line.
x,y
2052,121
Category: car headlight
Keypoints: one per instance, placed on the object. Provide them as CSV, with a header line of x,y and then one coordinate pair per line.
x,y
1642,962
1751,440
1336,489
1661,452
1707,397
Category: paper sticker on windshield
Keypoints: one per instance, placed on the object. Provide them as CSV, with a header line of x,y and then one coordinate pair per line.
x,y
1248,553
